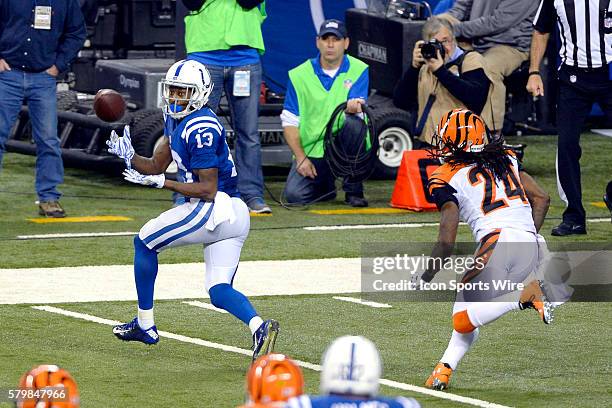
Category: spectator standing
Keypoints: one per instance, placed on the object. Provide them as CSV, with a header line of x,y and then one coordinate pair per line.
x,y
38,40
584,77
315,89
225,36
501,31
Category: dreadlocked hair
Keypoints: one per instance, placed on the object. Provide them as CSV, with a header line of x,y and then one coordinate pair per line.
x,y
493,157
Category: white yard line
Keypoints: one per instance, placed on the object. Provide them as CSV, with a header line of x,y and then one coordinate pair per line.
x,y
204,305
402,225
200,342
598,220
316,228
362,302
77,235
370,226
603,132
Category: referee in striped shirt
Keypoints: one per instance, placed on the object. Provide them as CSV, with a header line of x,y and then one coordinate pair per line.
x,y
585,27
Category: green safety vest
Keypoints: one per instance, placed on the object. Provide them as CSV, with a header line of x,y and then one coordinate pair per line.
x,y
316,104
222,24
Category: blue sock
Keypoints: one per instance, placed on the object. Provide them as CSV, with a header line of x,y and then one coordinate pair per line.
x,y
225,297
145,272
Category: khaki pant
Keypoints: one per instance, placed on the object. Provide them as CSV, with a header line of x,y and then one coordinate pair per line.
x,y
500,62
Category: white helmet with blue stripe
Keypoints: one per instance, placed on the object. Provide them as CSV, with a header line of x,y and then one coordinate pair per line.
x,y
195,78
351,366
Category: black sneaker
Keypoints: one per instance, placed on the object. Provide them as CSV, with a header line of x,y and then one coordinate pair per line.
x,y
355,201
566,228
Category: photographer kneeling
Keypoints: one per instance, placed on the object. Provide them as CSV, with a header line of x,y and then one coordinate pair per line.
x,y
442,77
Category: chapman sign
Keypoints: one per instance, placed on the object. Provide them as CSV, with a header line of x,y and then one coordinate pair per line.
x,y
372,52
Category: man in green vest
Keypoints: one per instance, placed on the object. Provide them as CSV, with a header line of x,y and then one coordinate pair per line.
x,y
225,36
315,89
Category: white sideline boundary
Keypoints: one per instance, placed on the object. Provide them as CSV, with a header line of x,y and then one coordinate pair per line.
x,y
362,302
201,342
178,281
77,235
315,228
204,305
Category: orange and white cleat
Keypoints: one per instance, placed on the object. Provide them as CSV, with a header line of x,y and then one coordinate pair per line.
x,y
440,377
533,297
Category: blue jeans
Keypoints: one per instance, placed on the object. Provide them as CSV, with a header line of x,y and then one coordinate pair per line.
x,y
245,113
304,190
39,92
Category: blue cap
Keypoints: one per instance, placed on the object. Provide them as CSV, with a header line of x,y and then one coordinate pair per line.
x,y
332,26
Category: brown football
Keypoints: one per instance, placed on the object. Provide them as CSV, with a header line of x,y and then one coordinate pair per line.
x,y
109,105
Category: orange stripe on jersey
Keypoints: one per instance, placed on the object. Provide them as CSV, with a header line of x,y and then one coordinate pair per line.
x,y
511,153
442,175
484,252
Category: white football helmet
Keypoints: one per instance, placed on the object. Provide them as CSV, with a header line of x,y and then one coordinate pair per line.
x,y
193,76
351,366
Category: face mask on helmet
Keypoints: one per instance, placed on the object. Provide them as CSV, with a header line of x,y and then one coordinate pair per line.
x,y
185,89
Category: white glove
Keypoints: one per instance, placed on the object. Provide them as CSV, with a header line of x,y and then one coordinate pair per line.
x,y
122,146
133,176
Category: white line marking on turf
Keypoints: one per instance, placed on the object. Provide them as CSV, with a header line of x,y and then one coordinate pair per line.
x,y
316,228
598,220
204,305
361,301
370,226
77,235
402,225
333,276
305,364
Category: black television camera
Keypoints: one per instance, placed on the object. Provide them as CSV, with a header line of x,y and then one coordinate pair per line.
x,y
428,50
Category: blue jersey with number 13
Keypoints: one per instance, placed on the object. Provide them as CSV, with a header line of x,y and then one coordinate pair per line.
x,y
198,142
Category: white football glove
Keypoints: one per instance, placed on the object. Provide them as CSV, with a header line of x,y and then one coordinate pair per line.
x,y
156,180
121,146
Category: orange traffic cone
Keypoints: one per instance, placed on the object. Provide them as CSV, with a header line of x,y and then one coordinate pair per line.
x,y
410,190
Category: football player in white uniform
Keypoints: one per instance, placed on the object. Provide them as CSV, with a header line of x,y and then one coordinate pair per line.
x,y
482,183
350,377
212,215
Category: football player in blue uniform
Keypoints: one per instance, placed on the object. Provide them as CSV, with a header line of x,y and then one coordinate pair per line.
x,y
350,377
212,215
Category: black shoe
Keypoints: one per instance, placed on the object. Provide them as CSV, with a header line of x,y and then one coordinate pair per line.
x,y
565,228
608,204
355,201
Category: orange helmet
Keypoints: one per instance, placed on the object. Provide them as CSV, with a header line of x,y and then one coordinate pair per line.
x,y
53,380
274,378
461,130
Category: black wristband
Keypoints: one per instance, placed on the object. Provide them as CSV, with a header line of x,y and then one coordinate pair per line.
x,y
534,73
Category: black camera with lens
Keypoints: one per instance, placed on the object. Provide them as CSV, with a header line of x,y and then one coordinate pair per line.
x,y
428,50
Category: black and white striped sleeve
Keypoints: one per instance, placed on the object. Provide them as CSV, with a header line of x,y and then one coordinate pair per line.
x,y
545,18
